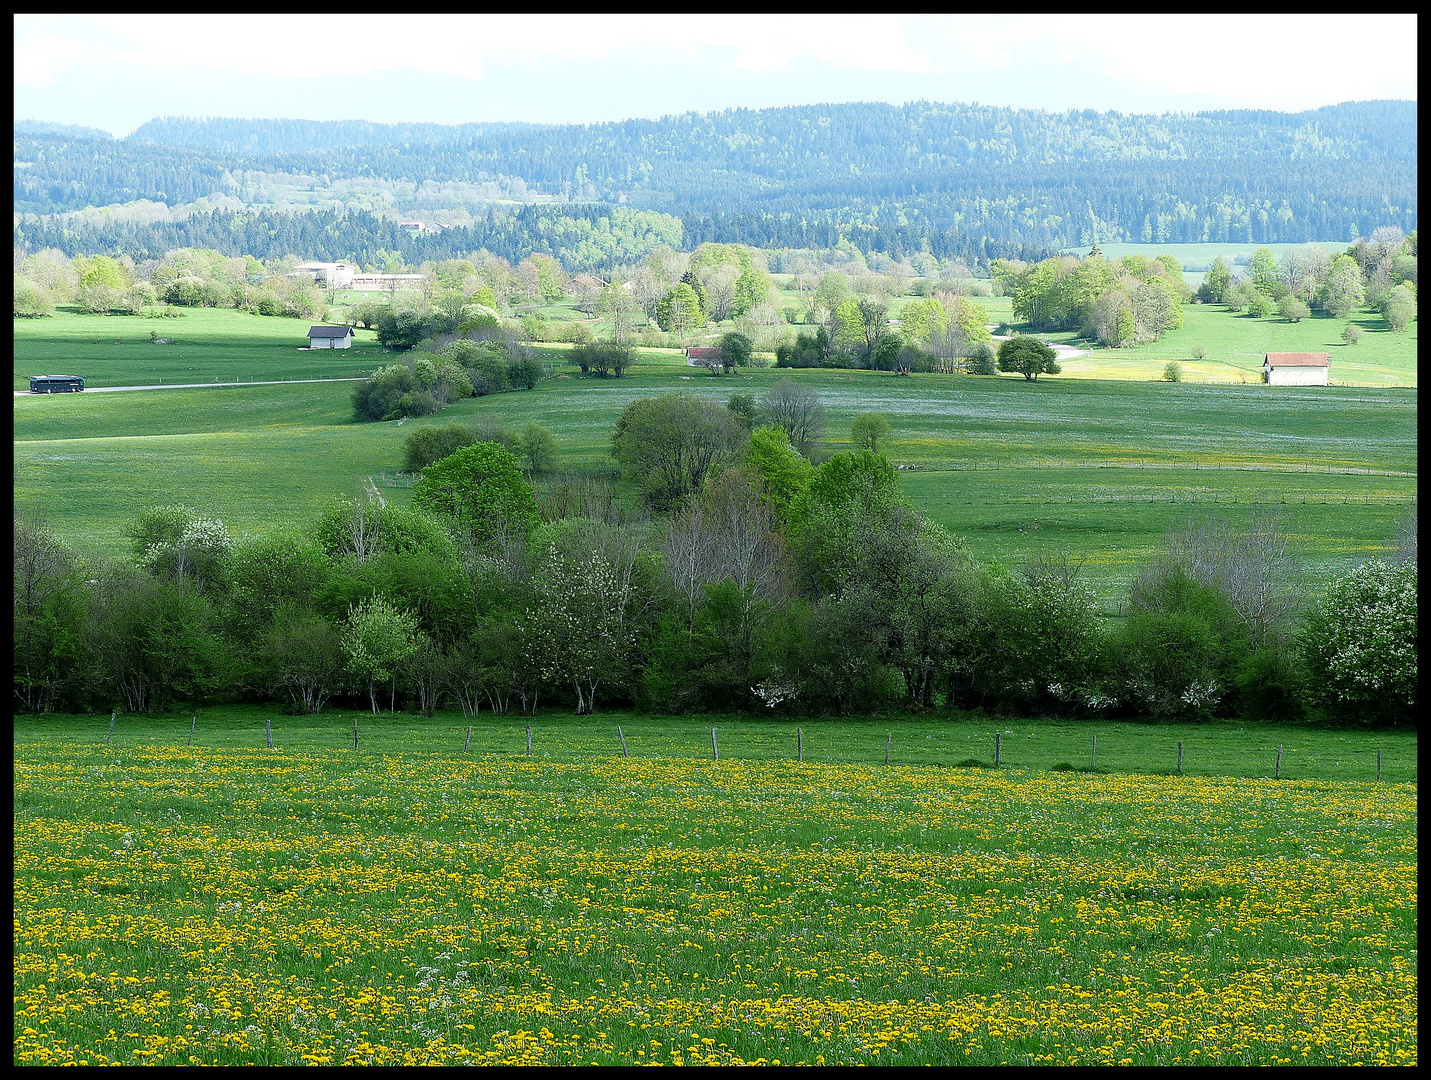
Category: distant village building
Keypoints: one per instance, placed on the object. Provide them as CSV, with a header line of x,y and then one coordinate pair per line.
x,y
379,282
335,275
330,337
1296,368
418,228
702,357
341,275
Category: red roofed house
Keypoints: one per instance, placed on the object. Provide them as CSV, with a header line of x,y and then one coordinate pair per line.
x,y
1296,368
700,357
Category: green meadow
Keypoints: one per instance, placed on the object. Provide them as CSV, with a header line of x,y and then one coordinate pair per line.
x,y
412,902
1095,470
1199,255
207,345
1236,344
1248,751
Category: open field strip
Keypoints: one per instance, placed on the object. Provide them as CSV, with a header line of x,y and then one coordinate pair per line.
x,y
235,905
1100,470
1239,342
209,344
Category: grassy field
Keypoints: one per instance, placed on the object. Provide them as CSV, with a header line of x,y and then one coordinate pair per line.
x,y
1197,255
411,903
1236,344
209,345
1097,469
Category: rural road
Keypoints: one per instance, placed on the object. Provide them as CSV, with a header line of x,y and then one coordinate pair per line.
x,y
199,385
1061,352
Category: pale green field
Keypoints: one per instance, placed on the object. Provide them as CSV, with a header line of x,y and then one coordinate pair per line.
x,y
1096,469
209,345
1236,345
1198,255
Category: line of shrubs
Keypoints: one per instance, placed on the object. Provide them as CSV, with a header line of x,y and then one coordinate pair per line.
x,y
774,587
440,372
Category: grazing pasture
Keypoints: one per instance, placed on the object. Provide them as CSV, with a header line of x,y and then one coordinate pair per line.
x,y
1236,344
411,903
207,345
1099,470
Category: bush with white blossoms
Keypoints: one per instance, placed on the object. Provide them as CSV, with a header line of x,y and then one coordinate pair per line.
x,y
201,548
1359,643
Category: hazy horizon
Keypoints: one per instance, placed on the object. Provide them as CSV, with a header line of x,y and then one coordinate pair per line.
x,y
115,72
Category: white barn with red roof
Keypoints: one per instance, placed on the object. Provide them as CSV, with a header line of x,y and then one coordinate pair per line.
x,y
1296,368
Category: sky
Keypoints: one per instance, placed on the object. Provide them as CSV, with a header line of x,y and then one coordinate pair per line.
x,y
117,71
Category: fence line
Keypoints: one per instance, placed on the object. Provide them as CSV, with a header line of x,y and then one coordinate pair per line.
x,y
997,763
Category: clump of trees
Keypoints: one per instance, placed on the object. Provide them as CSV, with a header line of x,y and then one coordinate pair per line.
x,y
426,381
1120,302
1376,273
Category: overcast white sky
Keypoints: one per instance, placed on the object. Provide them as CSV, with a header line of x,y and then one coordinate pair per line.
x,y
116,71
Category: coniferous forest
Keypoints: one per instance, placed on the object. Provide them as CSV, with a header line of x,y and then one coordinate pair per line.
x,y
952,179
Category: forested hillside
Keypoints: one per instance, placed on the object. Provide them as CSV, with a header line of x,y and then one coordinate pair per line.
x,y
955,179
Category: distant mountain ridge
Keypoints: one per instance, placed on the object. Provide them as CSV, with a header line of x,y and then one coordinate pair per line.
x,y
948,178
73,131
943,130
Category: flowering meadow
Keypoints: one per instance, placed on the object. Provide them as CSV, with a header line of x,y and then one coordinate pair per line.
x,y
179,905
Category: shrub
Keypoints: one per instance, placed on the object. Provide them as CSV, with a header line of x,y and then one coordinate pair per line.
x,y
602,358
429,444
1359,645
1352,333
480,491
981,360
668,444
1172,371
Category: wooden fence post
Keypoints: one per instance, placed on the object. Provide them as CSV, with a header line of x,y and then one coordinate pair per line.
x,y
887,737
800,747
1093,761
529,740
1279,761
1180,757
715,750
467,746
998,747
268,730
622,736
109,740
1378,764
355,731
193,722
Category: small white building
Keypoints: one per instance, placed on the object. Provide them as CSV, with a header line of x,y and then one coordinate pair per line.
x,y
330,337
1296,368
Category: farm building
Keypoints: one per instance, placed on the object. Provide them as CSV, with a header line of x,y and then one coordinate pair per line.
x,y
1296,368
336,275
695,356
330,337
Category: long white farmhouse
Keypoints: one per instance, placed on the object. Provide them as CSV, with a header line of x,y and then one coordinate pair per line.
x,y
1296,368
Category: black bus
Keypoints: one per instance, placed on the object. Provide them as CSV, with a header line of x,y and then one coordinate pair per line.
x,y
55,384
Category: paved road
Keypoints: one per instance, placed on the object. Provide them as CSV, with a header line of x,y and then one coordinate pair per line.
x,y
199,385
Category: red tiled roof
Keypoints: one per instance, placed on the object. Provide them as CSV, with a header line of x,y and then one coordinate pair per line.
x,y
694,353
1299,359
